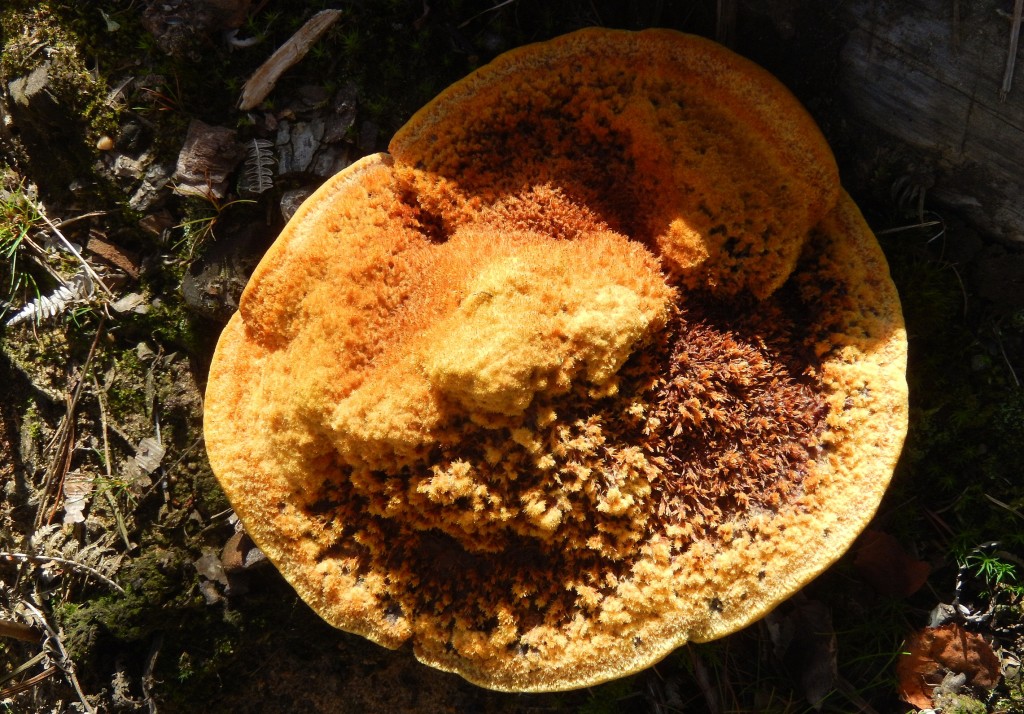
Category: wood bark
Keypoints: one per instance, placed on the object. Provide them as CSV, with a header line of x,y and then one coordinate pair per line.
x,y
931,74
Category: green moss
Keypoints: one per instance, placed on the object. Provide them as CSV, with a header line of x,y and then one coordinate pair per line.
x,y
37,35
32,422
1013,701
966,409
172,324
152,599
125,396
27,31
959,704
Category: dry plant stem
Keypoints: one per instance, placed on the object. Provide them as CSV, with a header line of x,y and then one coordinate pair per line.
x,y
74,251
1011,59
106,462
64,440
71,221
28,683
263,80
850,692
910,227
484,12
22,668
1009,364
963,288
148,681
59,464
956,25
1007,506
73,565
725,26
65,663
37,258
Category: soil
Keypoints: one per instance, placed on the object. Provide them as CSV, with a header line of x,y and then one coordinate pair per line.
x,y
117,547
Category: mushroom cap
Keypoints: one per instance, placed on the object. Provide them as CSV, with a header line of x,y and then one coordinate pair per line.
x,y
559,384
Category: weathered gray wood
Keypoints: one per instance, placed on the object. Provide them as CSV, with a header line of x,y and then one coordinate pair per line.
x,y
935,84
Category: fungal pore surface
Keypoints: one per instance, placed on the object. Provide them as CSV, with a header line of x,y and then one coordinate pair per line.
x,y
599,359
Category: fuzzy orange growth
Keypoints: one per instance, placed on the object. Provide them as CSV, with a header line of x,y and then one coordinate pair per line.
x,y
597,363
494,319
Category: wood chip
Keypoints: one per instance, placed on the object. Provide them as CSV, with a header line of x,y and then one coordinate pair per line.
x,y
113,254
263,80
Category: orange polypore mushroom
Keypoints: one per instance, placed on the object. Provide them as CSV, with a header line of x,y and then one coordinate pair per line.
x,y
598,360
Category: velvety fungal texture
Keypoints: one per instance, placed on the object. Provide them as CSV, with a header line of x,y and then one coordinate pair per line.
x,y
598,360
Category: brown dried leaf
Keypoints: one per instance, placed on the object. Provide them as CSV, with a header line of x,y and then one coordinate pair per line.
x,y
933,652
884,563
208,156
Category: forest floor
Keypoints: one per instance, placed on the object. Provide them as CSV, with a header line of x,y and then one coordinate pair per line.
x,y
135,199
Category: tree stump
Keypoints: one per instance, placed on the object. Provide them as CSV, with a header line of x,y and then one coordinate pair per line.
x,y
931,73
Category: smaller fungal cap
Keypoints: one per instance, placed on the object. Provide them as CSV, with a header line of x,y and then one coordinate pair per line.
x,y
532,320
671,139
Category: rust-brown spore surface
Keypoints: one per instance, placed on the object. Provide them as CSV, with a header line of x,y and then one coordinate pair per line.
x,y
741,405
731,415
598,360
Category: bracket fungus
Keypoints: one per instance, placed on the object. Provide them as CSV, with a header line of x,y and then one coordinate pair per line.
x,y
598,360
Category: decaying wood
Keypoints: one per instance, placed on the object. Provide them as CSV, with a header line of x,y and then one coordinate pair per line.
x,y
19,631
262,81
907,76
1011,58
725,24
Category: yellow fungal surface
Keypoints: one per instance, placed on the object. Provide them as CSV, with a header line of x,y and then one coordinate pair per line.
x,y
598,360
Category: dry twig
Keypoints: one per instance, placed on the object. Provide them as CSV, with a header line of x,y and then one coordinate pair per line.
x,y
31,681
725,22
463,24
263,80
703,678
122,530
64,440
74,251
72,564
18,631
148,680
66,665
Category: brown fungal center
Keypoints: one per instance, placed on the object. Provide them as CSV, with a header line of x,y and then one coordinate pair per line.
x,y
716,418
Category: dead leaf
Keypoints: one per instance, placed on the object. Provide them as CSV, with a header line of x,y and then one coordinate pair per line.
x,y
889,569
208,156
934,652
148,454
